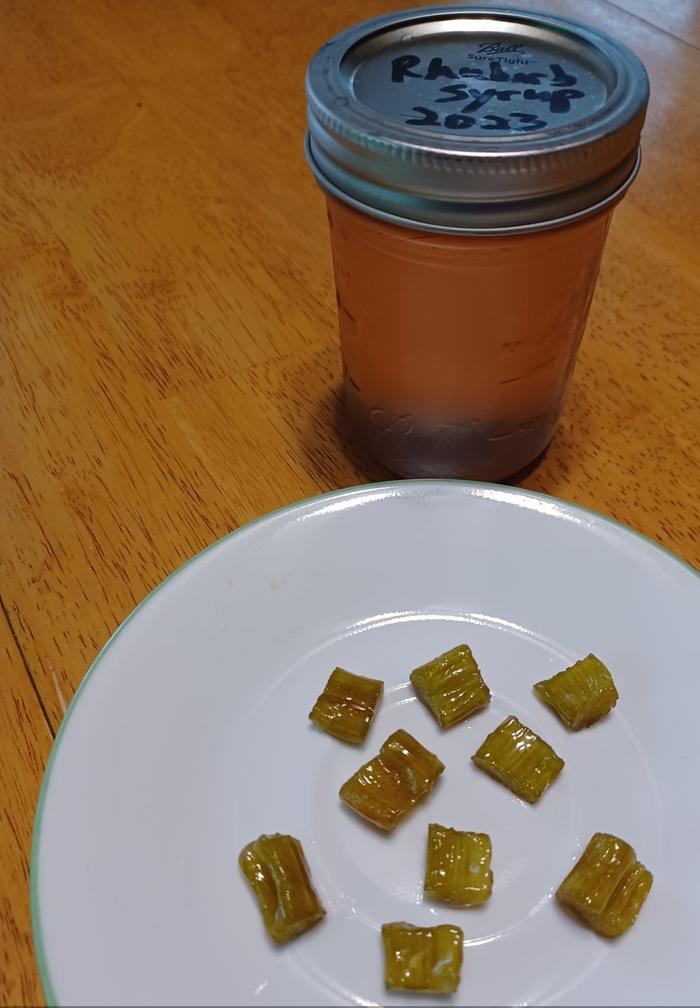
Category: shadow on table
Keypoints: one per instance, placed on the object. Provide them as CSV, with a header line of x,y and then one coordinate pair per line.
x,y
565,464
331,455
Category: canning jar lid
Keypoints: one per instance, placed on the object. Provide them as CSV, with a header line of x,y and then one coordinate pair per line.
x,y
475,119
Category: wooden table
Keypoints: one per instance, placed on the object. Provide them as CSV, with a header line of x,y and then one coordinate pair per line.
x,y
169,359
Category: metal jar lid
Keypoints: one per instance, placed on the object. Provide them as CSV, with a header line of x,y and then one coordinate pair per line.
x,y
475,119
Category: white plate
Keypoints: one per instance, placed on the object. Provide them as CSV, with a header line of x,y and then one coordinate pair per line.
x,y
189,737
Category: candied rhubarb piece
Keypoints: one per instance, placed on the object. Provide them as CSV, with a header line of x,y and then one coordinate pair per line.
x,y
278,874
347,705
425,959
607,886
581,694
518,758
458,866
451,686
386,788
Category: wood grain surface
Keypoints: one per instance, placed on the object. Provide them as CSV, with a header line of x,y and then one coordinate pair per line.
x,y
677,17
169,355
25,740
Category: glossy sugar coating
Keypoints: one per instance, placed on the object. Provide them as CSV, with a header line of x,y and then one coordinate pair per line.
x,y
519,758
422,958
278,874
451,686
458,866
387,787
607,886
581,694
347,705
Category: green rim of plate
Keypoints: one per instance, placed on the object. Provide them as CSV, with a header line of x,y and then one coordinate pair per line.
x,y
40,951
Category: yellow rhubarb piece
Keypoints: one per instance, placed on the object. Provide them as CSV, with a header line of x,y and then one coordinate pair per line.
x,y
581,694
451,686
386,788
425,959
347,705
519,758
458,866
607,886
278,874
